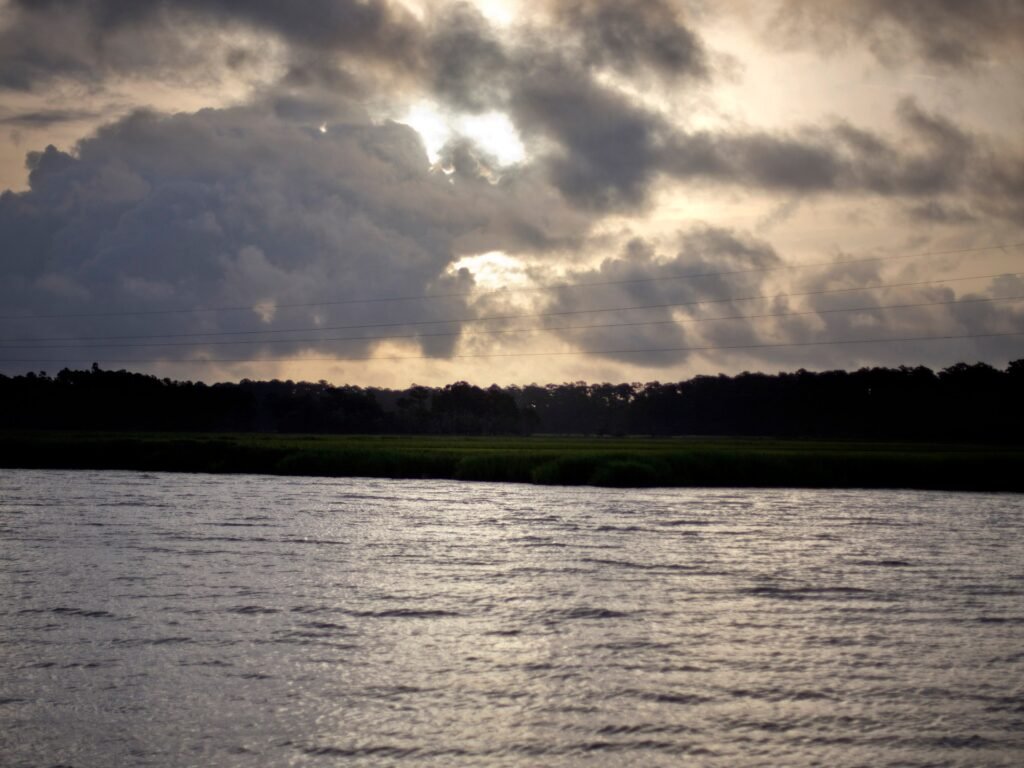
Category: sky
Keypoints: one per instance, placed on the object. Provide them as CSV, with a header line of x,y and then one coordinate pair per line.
x,y
382,193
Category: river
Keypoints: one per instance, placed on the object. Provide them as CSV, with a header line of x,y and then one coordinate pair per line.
x,y
178,620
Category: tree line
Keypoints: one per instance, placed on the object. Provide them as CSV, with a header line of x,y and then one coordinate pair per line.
x,y
961,402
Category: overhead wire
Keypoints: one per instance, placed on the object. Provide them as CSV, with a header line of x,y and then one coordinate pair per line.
x,y
519,316
503,291
509,331
546,353
365,326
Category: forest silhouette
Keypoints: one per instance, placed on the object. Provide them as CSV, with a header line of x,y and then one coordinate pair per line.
x,y
964,402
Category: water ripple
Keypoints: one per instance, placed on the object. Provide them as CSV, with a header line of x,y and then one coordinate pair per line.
x,y
164,620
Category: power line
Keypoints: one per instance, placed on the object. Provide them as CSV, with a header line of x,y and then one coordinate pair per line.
x,y
557,286
519,316
553,353
685,321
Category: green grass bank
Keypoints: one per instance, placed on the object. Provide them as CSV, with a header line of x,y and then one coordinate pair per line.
x,y
613,462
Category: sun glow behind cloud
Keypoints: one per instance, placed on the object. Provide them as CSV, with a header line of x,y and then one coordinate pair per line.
x,y
492,131
614,143
493,270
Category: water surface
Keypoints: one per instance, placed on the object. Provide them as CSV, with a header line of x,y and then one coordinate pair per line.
x,y
175,620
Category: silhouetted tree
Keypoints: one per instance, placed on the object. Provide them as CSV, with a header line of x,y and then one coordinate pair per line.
x,y
961,402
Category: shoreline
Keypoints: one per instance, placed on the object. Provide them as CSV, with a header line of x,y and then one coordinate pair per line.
x,y
548,460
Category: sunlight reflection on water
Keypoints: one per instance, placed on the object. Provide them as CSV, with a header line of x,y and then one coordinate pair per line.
x,y
161,619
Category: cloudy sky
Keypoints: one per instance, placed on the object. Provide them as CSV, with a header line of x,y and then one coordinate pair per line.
x,y
382,193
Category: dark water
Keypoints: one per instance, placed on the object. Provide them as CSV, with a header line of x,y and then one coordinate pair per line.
x,y
175,620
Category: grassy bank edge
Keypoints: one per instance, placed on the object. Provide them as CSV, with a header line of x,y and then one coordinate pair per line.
x,y
625,462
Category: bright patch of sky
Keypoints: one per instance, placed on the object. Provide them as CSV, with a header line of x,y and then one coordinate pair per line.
x,y
492,131
493,270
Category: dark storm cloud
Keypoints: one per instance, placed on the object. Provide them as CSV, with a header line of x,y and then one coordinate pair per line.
x,y
599,147
607,148
368,27
933,157
465,63
249,206
763,160
944,33
800,307
452,48
842,158
633,37
92,39
471,66
702,250
893,313
361,25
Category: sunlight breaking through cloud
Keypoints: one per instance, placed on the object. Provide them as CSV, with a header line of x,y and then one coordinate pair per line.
x,y
493,132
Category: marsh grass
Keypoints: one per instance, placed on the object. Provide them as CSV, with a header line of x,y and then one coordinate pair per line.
x,y
614,462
